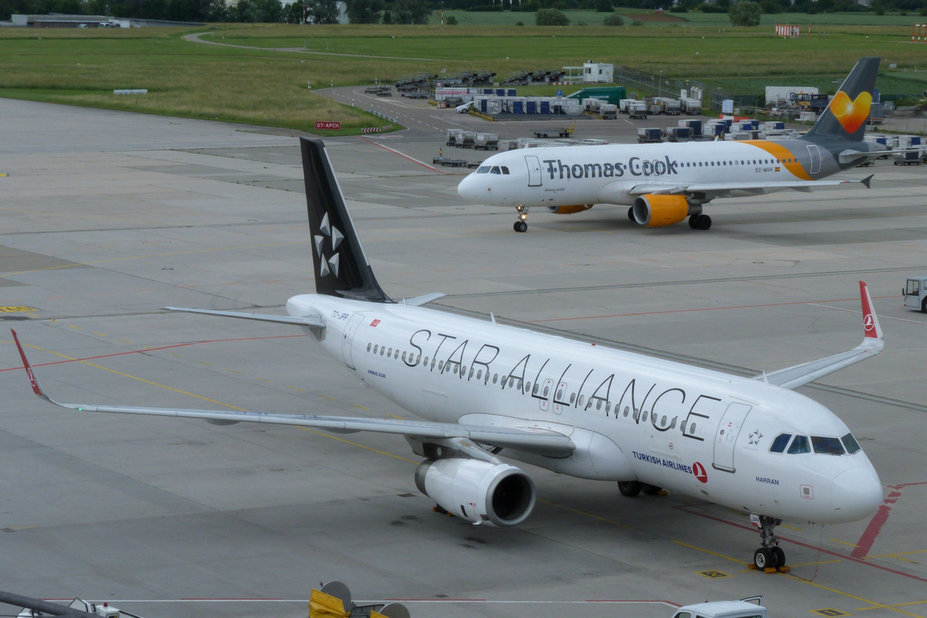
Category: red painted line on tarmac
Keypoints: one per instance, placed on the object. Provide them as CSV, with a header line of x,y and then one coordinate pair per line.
x,y
849,557
404,156
867,540
145,350
696,310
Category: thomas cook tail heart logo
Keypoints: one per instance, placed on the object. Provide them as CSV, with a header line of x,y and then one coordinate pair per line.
x,y
851,114
329,259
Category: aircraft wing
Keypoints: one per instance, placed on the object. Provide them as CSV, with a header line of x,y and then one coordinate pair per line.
x,y
540,441
733,189
872,343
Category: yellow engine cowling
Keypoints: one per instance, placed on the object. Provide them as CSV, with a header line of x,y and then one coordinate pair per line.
x,y
568,210
660,210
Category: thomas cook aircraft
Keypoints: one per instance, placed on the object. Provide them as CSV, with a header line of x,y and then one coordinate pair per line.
x,y
665,183
485,390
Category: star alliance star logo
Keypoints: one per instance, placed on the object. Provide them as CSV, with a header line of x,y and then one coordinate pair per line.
x,y
328,260
754,437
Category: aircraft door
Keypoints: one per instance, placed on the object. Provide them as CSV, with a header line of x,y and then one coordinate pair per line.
x,y
726,437
348,338
815,153
534,170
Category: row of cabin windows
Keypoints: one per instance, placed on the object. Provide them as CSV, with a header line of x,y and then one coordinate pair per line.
x,y
819,444
461,370
741,162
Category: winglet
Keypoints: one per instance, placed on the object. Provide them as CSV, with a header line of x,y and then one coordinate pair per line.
x,y
36,388
867,180
871,327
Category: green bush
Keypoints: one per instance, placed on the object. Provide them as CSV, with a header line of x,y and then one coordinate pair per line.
x,y
745,13
613,20
551,17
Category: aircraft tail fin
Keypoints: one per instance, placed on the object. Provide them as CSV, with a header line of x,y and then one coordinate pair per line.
x,y
341,268
846,114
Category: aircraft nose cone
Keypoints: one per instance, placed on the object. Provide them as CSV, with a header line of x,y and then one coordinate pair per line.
x,y
857,493
467,188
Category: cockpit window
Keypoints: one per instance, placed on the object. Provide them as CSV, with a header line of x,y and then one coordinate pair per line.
x,y
827,445
780,443
482,169
850,443
799,445
495,170
505,170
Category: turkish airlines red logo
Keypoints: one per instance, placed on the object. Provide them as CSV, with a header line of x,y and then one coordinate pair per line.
x,y
700,473
868,322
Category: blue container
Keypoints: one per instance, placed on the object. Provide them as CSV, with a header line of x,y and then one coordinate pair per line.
x,y
518,107
696,126
531,107
545,107
483,103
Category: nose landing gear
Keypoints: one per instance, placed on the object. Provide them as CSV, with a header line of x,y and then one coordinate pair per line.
x,y
769,558
521,225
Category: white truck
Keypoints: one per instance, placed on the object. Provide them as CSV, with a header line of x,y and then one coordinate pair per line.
x,y
915,293
747,608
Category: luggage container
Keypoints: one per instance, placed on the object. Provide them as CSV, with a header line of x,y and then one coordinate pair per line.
x,y
649,135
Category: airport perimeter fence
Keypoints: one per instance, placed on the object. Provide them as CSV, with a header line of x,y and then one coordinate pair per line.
x,y
644,84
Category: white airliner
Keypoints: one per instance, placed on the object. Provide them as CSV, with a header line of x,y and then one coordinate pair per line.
x,y
665,183
489,390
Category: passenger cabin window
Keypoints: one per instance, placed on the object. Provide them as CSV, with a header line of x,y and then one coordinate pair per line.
x,y
780,443
850,443
826,445
799,445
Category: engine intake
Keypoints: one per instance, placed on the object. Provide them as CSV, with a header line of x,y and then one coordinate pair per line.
x,y
478,491
660,210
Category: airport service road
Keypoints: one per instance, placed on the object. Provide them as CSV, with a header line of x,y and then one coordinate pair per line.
x,y
109,216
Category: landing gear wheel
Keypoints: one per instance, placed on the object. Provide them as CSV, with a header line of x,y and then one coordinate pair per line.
x,y
520,226
629,489
763,559
700,222
779,556
924,306
631,214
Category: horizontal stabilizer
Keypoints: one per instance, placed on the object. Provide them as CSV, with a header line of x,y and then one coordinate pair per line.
x,y
310,320
424,299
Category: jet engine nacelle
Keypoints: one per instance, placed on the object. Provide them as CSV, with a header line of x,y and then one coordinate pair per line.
x,y
478,491
659,210
568,210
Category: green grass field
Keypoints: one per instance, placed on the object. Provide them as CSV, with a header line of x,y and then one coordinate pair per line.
x,y
260,74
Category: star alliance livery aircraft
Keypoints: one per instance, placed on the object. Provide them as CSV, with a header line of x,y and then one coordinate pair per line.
x,y
665,183
486,390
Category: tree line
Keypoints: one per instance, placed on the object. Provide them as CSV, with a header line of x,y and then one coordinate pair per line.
x,y
416,11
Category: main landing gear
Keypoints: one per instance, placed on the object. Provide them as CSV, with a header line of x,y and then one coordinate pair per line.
x,y
522,224
630,489
700,222
769,557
